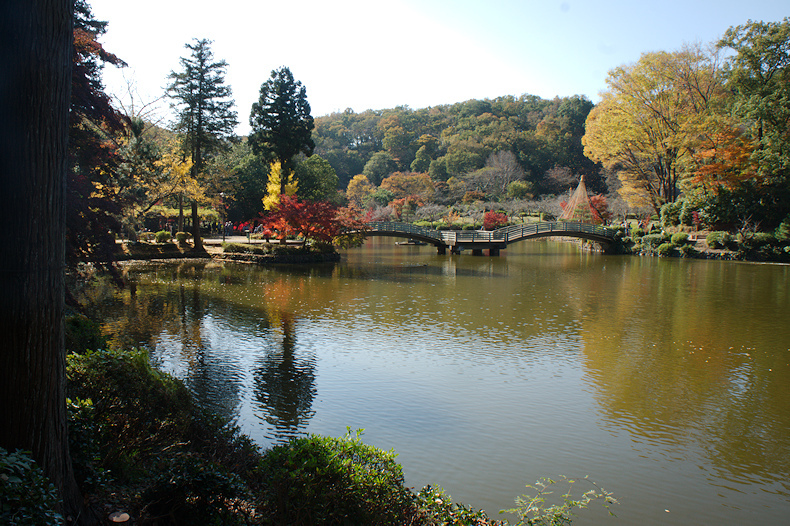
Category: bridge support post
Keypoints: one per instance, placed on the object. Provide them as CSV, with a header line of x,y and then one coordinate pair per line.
x,y
441,250
477,251
493,252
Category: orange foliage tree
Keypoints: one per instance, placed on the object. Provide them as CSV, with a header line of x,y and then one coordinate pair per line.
x,y
404,185
725,160
316,221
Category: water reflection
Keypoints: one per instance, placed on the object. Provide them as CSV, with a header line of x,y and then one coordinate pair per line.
x,y
285,385
179,312
678,367
659,377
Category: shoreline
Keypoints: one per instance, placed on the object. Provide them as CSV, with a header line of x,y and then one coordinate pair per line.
x,y
213,250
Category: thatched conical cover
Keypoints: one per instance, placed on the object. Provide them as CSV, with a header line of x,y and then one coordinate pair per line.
x,y
578,207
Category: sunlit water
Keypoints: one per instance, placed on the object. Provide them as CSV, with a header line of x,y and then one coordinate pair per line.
x,y
664,380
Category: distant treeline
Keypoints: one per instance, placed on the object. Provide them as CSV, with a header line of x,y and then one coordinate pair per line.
x,y
457,140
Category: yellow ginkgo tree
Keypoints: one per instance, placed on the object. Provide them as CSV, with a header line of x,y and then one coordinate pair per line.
x,y
274,187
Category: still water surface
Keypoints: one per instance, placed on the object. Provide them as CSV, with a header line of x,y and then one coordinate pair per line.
x,y
664,380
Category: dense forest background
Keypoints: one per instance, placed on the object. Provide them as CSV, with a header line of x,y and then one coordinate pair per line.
x,y
458,140
697,136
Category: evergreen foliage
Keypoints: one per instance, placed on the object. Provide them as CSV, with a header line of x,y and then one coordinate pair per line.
x,y
281,121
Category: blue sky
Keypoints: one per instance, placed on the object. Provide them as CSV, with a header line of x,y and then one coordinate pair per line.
x,y
370,54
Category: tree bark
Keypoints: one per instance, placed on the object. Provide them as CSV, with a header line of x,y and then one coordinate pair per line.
x,y
35,84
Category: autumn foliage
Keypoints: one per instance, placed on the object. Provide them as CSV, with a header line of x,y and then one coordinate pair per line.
x,y
725,162
406,206
316,221
493,220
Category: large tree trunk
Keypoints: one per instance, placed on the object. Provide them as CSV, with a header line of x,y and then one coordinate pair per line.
x,y
35,83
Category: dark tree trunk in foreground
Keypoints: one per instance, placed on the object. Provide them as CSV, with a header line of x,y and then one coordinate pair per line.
x,y
35,83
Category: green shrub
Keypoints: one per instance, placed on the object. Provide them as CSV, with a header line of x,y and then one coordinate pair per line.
x,y
637,233
782,232
680,238
243,248
757,240
181,237
718,239
670,214
665,249
126,415
137,410
282,250
27,498
163,236
83,334
519,189
653,241
197,492
688,251
686,216
84,443
324,480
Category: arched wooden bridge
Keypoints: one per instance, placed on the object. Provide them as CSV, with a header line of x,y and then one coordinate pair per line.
x,y
493,241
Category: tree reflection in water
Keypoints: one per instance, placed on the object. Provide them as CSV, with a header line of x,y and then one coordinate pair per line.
x,y
284,382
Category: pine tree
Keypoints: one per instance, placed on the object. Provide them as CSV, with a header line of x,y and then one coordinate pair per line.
x,y
206,118
281,122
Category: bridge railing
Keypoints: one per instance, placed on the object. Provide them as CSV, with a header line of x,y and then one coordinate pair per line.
x,y
406,228
454,236
502,235
515,232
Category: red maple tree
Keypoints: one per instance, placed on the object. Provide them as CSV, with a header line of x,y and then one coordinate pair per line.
x,y
493,220
317,221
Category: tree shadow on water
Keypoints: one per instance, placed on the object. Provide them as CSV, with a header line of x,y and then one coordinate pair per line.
x,y
285,385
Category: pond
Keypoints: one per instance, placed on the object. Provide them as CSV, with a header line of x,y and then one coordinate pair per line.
x,y
663,380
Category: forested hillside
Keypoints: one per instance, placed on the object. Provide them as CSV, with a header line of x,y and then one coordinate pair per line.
x,y
459,140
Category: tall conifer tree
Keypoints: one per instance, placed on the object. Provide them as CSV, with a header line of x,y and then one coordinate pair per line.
x,y
281,122
206,118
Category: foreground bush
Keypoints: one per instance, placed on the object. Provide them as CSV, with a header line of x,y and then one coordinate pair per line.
x,y
136,435
138,410
324,480
27,498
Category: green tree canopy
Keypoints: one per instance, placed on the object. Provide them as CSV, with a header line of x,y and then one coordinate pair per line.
x,y
380,165
317,180
281,122
759,76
